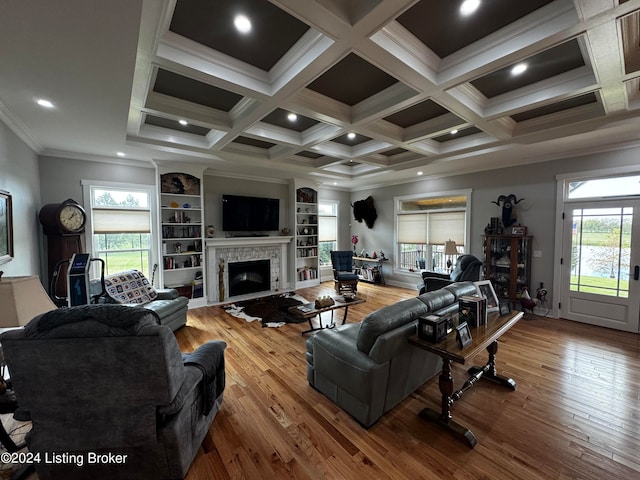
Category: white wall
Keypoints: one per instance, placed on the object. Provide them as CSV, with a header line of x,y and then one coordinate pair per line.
x,y
19,176
535,183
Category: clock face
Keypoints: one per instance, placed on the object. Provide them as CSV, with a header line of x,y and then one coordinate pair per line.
x,y
72,218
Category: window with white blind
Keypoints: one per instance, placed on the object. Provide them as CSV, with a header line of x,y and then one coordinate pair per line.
x,y
426,224
327,230
120,226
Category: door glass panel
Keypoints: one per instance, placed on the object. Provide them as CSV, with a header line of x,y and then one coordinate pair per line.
x,y
600,251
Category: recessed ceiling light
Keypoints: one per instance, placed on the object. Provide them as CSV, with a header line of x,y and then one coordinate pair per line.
x,y
292,117
44,103
184,123
454,131
469,6
120,154
242,23
351,135
518,69
419,173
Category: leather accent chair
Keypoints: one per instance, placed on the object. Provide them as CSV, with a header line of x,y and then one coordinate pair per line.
x,y
110,380
468,268
344,280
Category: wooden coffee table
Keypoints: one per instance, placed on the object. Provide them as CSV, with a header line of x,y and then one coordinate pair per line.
x,y
309,310
482,337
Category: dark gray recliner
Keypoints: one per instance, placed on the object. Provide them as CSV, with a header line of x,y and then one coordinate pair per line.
x,y
467,269
108,379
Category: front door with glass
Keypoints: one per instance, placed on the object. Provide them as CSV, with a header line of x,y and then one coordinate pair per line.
x,y
601,263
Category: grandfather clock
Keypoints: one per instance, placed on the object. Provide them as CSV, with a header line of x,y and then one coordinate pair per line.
x,y
63,224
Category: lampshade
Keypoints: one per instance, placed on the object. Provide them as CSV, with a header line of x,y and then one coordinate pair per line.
x,y
450,248
21,299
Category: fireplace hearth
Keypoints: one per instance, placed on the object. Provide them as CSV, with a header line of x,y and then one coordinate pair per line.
x,y
249,277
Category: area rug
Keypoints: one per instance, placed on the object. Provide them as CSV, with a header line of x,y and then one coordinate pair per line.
x,y
271,311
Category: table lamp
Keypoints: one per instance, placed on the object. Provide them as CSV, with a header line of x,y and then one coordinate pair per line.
x,y
22,298
450,250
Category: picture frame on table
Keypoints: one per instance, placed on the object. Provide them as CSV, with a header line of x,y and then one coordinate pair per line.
x,y
463,335
485,289
6,227
505,308
519,230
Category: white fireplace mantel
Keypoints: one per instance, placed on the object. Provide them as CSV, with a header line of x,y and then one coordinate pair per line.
x,y
222,249
246,241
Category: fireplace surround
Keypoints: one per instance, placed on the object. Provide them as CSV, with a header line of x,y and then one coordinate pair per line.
x,y
222,252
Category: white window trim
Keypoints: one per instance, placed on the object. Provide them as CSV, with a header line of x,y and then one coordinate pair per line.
x,y
326,268
153,211
447,193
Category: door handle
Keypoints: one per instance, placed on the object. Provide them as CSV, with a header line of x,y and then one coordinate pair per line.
x,y
636,272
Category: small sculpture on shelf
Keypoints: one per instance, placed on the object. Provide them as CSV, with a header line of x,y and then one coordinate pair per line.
x,y
354,240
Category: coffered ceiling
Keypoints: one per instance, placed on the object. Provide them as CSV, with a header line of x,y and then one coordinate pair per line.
x,y
381,89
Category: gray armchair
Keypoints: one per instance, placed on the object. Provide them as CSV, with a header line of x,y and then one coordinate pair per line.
x,y
109,380
467,268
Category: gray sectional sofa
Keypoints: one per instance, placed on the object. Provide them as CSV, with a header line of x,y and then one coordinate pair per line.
x,y
368,368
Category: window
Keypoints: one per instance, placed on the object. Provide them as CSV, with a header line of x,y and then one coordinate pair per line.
x,y
120,221
327,230
425,224
619,186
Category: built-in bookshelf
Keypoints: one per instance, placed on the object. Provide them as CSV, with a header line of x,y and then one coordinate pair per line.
x,y
182,233
307,266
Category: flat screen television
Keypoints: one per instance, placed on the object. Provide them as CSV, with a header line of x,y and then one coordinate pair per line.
x,y
250,214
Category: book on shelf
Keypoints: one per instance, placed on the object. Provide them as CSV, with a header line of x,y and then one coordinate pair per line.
x,y
473,310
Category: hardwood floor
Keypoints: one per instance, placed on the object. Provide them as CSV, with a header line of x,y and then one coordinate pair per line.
x,y
574,415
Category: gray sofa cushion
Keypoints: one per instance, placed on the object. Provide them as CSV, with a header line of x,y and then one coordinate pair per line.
x,y
437,299
462,288
166,308
386,319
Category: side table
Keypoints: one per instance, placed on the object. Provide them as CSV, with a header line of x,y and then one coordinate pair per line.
x,y
483,337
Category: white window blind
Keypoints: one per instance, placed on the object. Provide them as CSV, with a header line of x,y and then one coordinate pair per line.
x,y
412,228
431,228
121,220
327,229
444,226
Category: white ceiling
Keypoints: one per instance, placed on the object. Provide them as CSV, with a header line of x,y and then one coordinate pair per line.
x,y
96,61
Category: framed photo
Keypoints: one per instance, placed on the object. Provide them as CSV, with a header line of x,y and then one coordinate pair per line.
x,y
463,335
6,228
505,308
518,230
485,289
434,328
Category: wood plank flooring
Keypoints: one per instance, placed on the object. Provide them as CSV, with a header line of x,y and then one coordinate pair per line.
x,y
574,415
